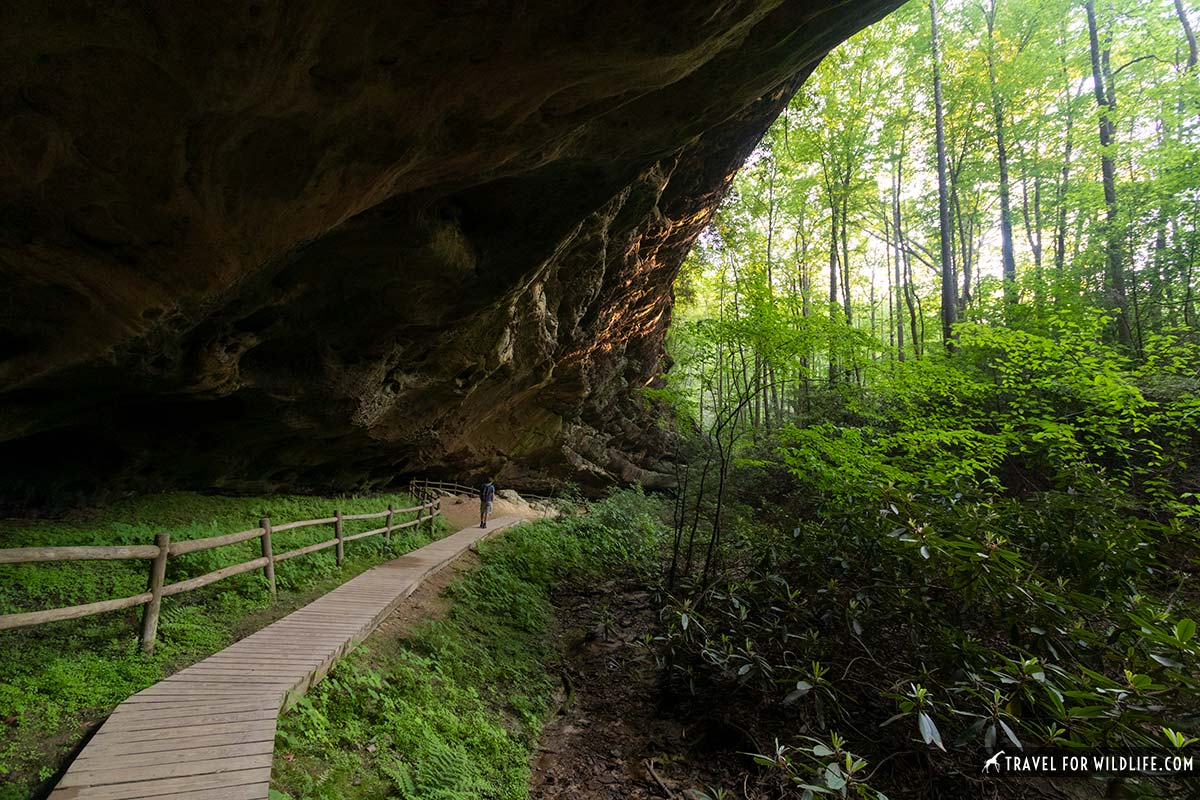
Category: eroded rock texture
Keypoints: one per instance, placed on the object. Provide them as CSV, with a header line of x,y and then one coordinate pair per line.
x,y
325,244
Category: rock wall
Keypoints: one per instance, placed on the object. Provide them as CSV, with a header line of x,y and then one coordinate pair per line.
x,y
327,244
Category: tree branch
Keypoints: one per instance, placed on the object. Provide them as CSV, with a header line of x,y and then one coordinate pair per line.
x,y
1117,71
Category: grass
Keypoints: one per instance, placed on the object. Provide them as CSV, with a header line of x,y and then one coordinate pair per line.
x,y
454,710
58,680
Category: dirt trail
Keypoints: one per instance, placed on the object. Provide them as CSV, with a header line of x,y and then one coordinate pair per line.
x,y
616,735
463,512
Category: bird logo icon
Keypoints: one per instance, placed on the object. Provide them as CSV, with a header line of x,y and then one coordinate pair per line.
x,y
994,761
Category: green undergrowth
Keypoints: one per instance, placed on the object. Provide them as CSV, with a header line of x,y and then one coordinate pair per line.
x,y
991,551
58,679
454,709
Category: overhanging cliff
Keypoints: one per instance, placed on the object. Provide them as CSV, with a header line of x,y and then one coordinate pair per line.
x,y
249,246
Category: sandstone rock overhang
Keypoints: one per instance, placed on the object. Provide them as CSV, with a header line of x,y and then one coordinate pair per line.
x,y
325,245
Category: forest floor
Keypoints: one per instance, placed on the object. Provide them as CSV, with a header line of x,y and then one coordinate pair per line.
x,y
622,732
616,734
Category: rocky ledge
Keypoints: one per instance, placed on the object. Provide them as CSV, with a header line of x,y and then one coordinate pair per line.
x,y
328,245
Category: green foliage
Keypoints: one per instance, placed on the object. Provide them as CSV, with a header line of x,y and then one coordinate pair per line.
x,y
993,544
824,258
821,768
1013,526
60,678
454,710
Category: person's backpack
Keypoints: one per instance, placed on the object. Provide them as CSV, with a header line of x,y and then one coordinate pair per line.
x,y
487,492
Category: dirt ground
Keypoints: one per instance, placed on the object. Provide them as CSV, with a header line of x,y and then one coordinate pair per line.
x,y
615,734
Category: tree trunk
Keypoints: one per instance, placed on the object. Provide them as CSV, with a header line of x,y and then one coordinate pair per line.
x,y
872,312
1105,101
1031,212
770,225
949,307
768,370
901,292
1188,32
833,283
915,314
965,236
845,217
887,241
833,264
1189,314
1008,261
1060,193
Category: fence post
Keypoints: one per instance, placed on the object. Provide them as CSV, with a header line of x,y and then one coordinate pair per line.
x,y
337,530
388,533
158,572
268,554
437,509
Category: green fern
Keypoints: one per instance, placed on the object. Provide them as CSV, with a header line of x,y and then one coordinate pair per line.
x,y
401,777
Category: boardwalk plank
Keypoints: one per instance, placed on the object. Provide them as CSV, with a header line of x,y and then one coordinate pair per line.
x,y
159,771
103,737
138,722
222,705
252,791
165,786
209,753
159,745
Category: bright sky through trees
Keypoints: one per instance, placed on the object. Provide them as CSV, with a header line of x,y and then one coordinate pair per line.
x,y
853,157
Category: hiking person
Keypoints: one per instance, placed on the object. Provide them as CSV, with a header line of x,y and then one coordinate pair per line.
x,y
486,494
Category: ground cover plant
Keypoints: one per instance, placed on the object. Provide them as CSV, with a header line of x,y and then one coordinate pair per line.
x,y
60,679
994,549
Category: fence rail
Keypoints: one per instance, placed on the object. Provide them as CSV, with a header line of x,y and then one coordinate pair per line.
x,y
163,549
24,555
429,489
438,488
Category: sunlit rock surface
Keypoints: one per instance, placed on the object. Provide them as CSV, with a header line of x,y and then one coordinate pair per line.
x,y
328,245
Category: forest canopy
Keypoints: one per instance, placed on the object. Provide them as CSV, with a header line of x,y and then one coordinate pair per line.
x,y
1070,139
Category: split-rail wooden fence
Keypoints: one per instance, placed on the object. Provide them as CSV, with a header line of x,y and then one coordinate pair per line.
x,y
163,549
452,488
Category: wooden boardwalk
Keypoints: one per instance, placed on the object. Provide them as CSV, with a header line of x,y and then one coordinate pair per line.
x,y
208,731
